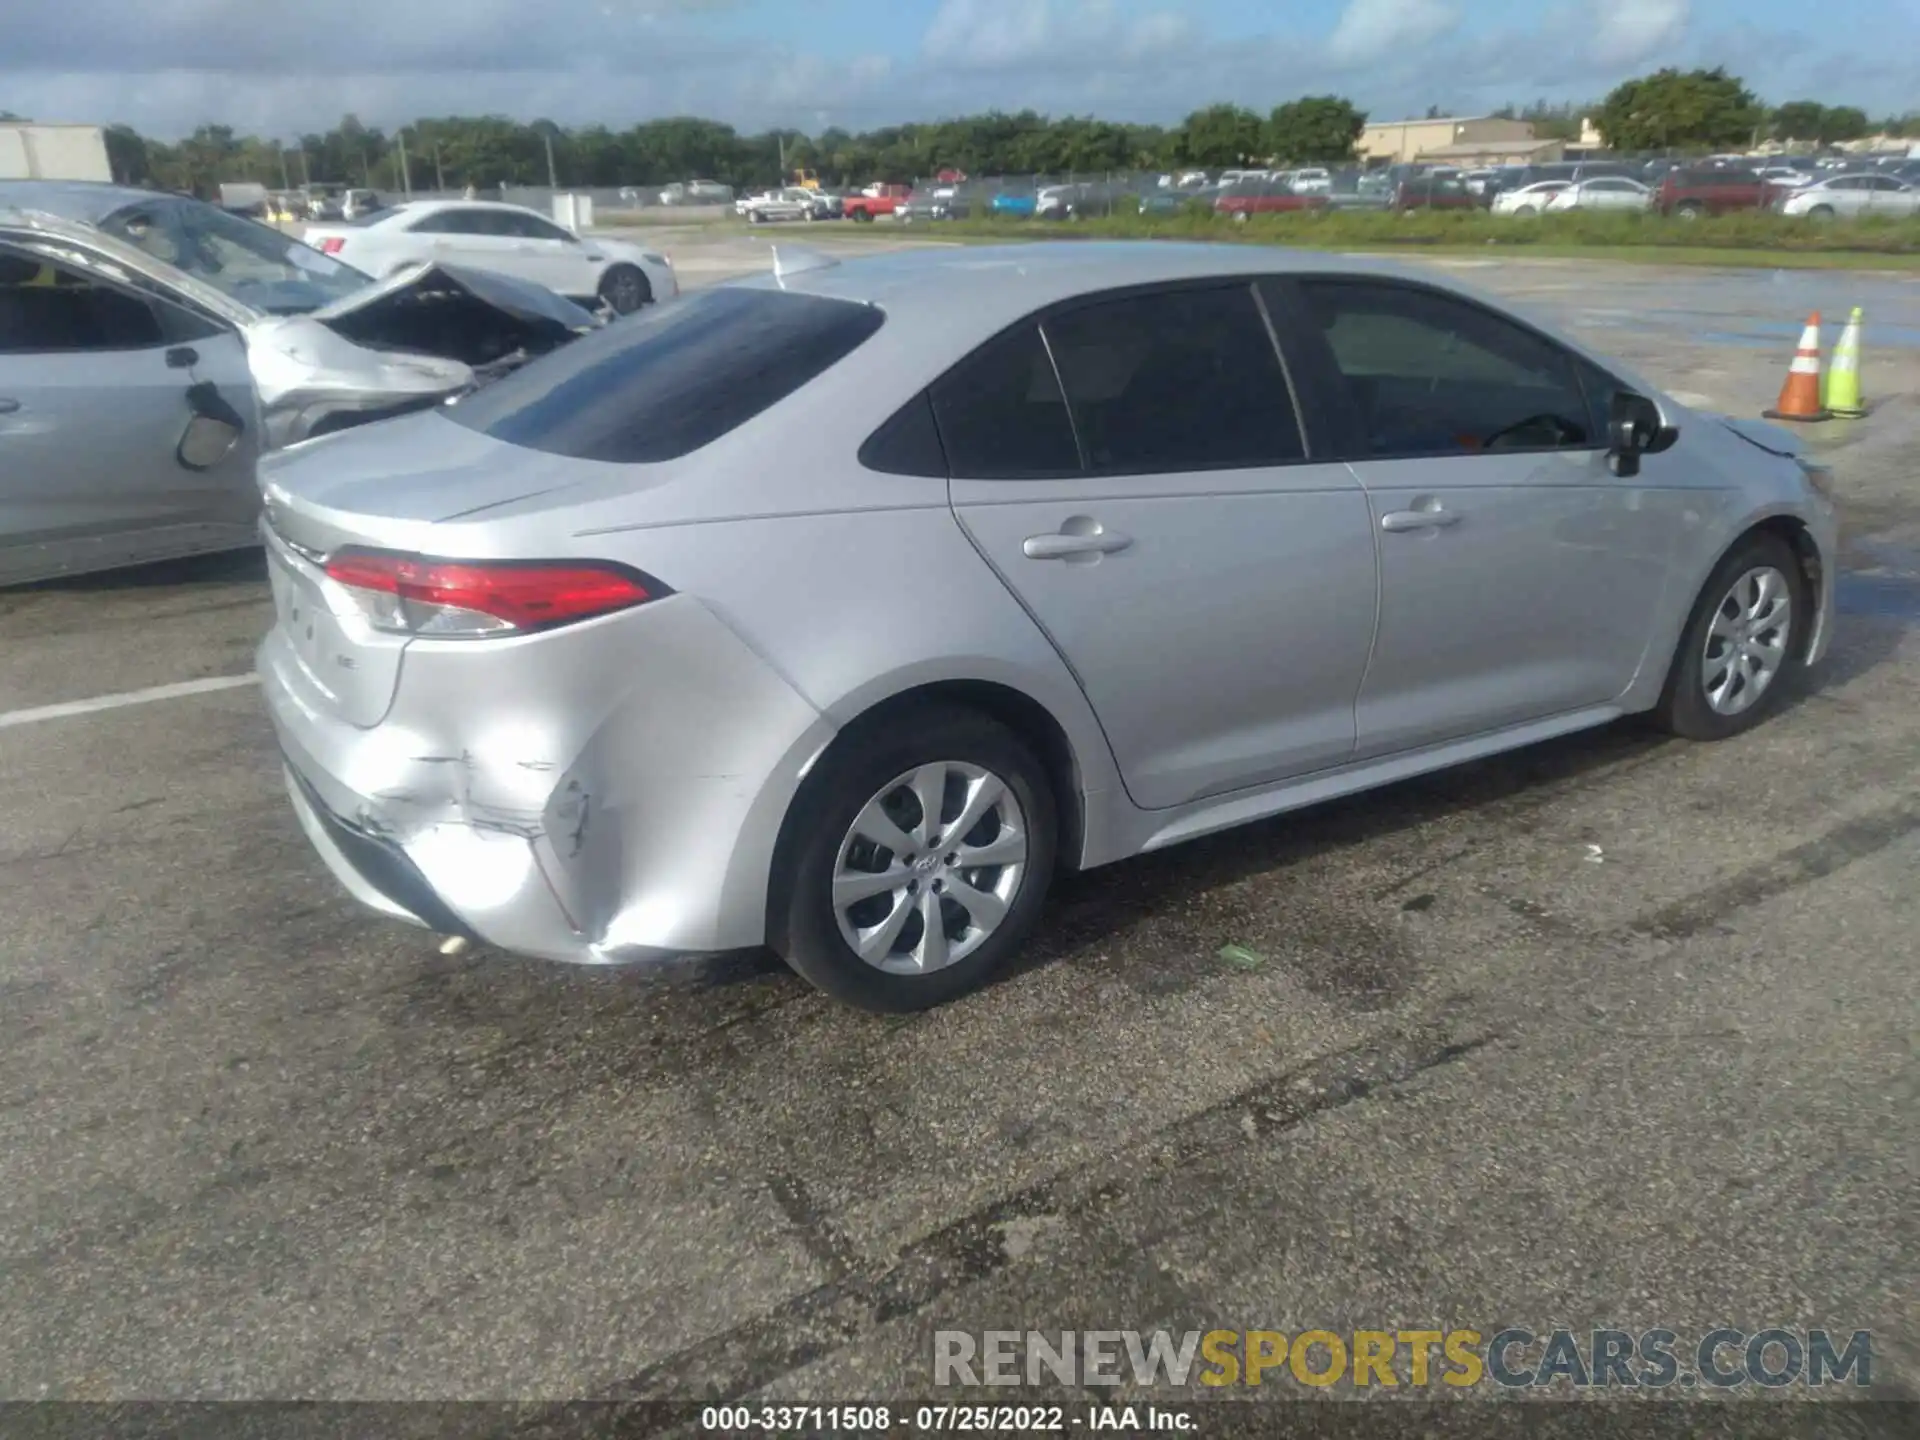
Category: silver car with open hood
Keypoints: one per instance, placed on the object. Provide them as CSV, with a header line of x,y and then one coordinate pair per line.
x,y
152,346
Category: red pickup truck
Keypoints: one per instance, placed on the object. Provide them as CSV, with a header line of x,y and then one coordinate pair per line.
x,y
1265,198
1432,192
1691,193
884,200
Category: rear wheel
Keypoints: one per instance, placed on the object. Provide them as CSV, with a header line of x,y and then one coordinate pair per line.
x,y
916,862
1743,641
625,289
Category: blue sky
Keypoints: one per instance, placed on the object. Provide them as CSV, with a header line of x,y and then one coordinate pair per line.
x,y
277,66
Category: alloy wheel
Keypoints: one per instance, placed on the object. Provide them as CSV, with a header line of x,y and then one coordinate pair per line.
x,y
930,867
1747,640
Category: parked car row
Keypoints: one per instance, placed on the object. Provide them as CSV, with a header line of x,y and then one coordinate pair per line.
x,y
1706,187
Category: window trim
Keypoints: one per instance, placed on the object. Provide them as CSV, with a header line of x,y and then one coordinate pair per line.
x,y
1316,360
1312,441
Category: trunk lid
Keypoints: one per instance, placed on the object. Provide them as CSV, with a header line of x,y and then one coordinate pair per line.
x,y
385,485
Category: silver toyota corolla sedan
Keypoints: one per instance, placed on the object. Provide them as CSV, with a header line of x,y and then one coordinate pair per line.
x,y
836,609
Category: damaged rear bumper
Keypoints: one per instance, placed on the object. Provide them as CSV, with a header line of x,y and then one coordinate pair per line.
x,y
541,796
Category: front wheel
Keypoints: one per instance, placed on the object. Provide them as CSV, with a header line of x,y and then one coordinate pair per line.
x,y
1689,211
1745,637
1821,212
1527,210
916,860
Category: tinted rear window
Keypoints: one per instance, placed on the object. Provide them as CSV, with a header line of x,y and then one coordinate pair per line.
x,y
664,382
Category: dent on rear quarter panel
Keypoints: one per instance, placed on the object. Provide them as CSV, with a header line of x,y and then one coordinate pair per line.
x,y
854,608
629,753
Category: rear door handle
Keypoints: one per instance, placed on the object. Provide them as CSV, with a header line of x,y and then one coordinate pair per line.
x,y
1403,520
8,407
1065,546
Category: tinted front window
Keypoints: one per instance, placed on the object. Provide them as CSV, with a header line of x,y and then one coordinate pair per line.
x,y
1179,380
662,383
530,227
458,222
1431,375
1001,414
50,309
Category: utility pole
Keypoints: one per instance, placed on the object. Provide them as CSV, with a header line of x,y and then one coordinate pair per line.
x,y
553,175
286,180
306,171
781,141
439,175
406,176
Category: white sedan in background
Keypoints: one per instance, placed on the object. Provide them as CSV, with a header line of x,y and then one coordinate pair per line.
x,y
507,239
1853,195
1528,199
1602,192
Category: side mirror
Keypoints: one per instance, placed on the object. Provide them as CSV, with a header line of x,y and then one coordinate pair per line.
x,y
213,430
1634,428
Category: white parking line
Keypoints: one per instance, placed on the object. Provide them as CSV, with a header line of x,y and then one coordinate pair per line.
x,y
71,708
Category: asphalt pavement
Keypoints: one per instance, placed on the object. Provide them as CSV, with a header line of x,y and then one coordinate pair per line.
x,y
1612,1031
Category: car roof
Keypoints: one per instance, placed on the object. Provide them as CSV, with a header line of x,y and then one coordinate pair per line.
x,y
428,207
89,201
979,289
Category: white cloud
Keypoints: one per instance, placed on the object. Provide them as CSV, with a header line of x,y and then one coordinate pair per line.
x,y
1377,29
1628,32
1003,34
272,69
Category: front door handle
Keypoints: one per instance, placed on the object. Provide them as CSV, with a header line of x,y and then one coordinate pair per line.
x,y
8,407
1066,545
1398,521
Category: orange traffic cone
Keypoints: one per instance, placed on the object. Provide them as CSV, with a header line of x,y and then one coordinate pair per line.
x,y
1800,396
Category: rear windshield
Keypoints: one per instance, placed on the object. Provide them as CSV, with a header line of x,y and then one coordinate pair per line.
x,y
661,383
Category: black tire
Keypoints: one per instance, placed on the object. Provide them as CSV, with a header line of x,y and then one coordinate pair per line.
x,y
1526,210
1683,709
1689,210
625,289
1821,212
863,216
802,926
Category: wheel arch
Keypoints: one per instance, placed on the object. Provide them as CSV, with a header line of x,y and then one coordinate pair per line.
x,y
1025,716
1657,666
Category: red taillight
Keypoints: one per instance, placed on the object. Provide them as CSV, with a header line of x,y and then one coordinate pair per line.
x,y
469,599
332,244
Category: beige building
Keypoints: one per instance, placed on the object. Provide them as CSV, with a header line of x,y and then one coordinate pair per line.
x,y
1400,142
1467,154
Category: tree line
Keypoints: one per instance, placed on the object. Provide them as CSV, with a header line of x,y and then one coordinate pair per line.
x,y
1670,110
